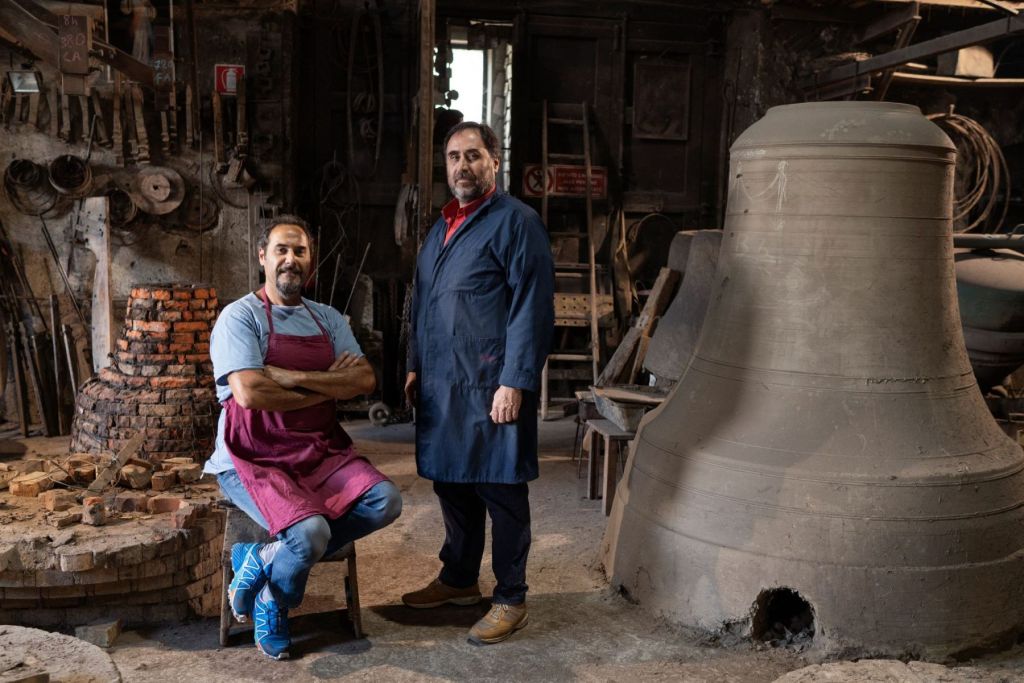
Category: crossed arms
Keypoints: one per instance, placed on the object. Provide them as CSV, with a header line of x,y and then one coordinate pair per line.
x,y
281,390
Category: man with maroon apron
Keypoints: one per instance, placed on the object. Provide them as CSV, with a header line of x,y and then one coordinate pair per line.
x,y
280,363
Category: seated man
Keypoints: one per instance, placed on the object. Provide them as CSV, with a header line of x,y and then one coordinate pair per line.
x,y
280,363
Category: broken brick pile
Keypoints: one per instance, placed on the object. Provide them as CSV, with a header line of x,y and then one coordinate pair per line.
x,y
161,379
149,567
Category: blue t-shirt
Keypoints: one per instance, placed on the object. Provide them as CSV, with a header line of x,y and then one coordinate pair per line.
x,y
239,342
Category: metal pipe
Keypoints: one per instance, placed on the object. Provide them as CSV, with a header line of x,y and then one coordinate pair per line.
x,y
68,340
966,240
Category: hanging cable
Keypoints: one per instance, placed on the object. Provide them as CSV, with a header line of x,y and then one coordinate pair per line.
x,y
983,167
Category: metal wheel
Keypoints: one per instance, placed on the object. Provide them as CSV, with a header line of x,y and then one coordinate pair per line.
x,y
379,414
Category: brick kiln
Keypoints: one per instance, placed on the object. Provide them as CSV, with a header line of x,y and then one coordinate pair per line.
x,y
160,379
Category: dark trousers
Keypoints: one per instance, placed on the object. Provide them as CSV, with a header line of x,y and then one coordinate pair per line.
x,y
465,508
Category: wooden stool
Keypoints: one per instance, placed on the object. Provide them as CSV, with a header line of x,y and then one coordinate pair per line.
x,y
612,435
240,528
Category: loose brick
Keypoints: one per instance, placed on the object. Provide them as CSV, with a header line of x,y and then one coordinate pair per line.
x,y
93,512
201,293
171,463
197,305
163,481
188,474
64,519
136,476
191,327
29,465
140,293
58,500
30,485
164,503
182,294
184,517
161,294
130,501
102,634
174,306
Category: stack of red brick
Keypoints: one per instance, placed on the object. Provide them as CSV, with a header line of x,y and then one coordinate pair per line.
x,y
161,379
146,569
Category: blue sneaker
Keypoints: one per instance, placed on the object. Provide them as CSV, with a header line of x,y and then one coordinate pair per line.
x,y
271,633
249,577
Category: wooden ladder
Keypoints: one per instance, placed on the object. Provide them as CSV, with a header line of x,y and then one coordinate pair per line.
x,y
547,157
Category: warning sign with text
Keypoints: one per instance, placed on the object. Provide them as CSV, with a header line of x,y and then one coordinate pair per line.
x,y
565,181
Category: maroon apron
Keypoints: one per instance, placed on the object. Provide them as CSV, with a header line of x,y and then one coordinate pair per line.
x,y
298,463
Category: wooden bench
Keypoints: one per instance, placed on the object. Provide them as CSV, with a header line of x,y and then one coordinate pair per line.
x,y
612,438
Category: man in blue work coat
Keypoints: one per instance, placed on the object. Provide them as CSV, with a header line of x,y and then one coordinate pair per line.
x,y
482,323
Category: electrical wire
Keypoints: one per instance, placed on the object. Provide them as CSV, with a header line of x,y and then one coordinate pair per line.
x,y
984,169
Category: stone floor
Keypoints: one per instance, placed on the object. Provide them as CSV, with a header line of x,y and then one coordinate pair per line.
x,y
579,629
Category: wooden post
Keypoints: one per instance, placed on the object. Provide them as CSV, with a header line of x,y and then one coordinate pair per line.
x,y
426,118
97,235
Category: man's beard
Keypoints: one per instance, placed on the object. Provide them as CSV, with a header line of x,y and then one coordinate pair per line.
x,y
465,194
289,288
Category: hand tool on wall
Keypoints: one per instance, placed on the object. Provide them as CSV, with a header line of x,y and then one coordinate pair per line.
x,y
218,133
101,124
35,380
189,134
65,118
51,102
140,124
19,380
33,109
118,132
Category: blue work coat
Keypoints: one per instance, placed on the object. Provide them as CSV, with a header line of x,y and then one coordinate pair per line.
x,y
482,316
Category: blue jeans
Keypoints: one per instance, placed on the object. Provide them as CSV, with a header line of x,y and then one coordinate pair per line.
x,y
304,543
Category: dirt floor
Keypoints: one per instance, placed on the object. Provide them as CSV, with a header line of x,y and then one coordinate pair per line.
x,y
579,629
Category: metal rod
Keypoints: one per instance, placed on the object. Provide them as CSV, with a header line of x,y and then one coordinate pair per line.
x,y
334,280
72,375
56,344
35,378
63,273
19,380
356,280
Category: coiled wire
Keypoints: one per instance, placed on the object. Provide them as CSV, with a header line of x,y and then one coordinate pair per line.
x,y
985,168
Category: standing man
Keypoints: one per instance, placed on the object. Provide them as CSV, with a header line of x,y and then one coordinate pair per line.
x,y
482,320
280,363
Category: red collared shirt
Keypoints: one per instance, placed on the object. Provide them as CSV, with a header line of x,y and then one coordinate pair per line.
x,y
455,215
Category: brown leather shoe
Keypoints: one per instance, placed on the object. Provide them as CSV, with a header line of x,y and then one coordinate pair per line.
x,y
498,624
437,594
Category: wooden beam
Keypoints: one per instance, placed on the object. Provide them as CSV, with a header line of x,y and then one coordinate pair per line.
x,y
955,82
890,22
33,29
954,41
